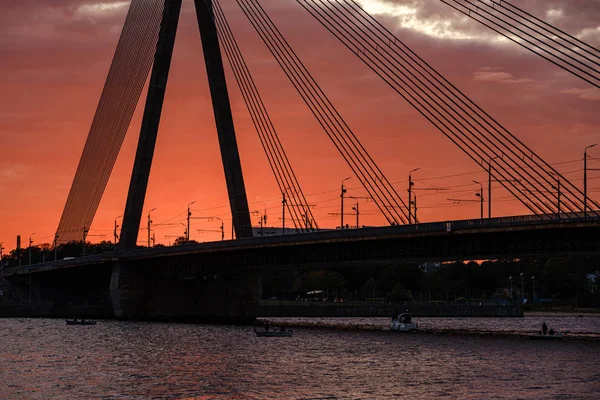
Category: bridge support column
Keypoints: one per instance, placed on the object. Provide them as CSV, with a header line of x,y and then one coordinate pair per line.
x,y
153,292
224,120
150,122
128,292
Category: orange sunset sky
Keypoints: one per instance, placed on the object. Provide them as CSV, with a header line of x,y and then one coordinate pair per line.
x,y
55,55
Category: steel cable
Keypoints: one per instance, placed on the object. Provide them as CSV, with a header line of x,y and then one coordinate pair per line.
x,y
457,95
278,160
424,108
126,78
391,205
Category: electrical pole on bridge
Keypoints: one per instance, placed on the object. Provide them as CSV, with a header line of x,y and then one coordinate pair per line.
x,y
410,185
480,195
149,226
343,191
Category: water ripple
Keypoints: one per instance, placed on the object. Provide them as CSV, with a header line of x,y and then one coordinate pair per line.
x,y
45,359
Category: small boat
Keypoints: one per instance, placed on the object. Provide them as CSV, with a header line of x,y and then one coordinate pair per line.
x,y
80,321
264,331
403,323
539,336
279,333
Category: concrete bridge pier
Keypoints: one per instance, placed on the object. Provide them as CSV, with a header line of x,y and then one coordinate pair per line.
x,y
127,292
151,292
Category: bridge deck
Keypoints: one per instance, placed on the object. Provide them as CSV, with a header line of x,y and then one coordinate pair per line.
x,y
532,228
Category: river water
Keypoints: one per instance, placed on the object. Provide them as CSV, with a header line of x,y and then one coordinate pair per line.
x,y
352,359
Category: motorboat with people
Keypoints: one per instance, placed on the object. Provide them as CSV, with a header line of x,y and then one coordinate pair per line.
x,y
546,334
403,323
264,330
80,321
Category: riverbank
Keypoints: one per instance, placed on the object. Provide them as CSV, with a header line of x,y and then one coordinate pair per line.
x,y
576,312
573,327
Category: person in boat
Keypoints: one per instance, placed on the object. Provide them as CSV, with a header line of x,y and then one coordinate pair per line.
x,y
266,327
544,328
551,332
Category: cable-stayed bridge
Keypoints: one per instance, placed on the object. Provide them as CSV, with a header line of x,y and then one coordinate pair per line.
x,y
563,218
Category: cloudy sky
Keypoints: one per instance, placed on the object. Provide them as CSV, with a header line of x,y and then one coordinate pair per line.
x,y
55,57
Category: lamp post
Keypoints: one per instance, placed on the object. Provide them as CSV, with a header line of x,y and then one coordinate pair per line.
x,y
410,185
355,208
480,195
533,280
585,178
30,243
343,191
510,280
189,214
283,203
262,221
222,229
149,225
115,231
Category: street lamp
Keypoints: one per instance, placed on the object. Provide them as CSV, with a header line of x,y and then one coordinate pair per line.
x,y
149,225
510,280
115,231
283,203
410,185
480,195
585,177
533,280
355,208
222,228
30,243
342,203
189,214
263,219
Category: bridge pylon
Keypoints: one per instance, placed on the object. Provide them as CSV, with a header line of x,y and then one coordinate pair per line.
x,y
151,119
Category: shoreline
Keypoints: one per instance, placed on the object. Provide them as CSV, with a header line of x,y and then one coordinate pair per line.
x,y
568,336
582,313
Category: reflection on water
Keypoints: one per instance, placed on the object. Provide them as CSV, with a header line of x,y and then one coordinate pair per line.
x,y
124,360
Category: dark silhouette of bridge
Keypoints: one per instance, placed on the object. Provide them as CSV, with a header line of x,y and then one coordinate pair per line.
x,y
563,219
